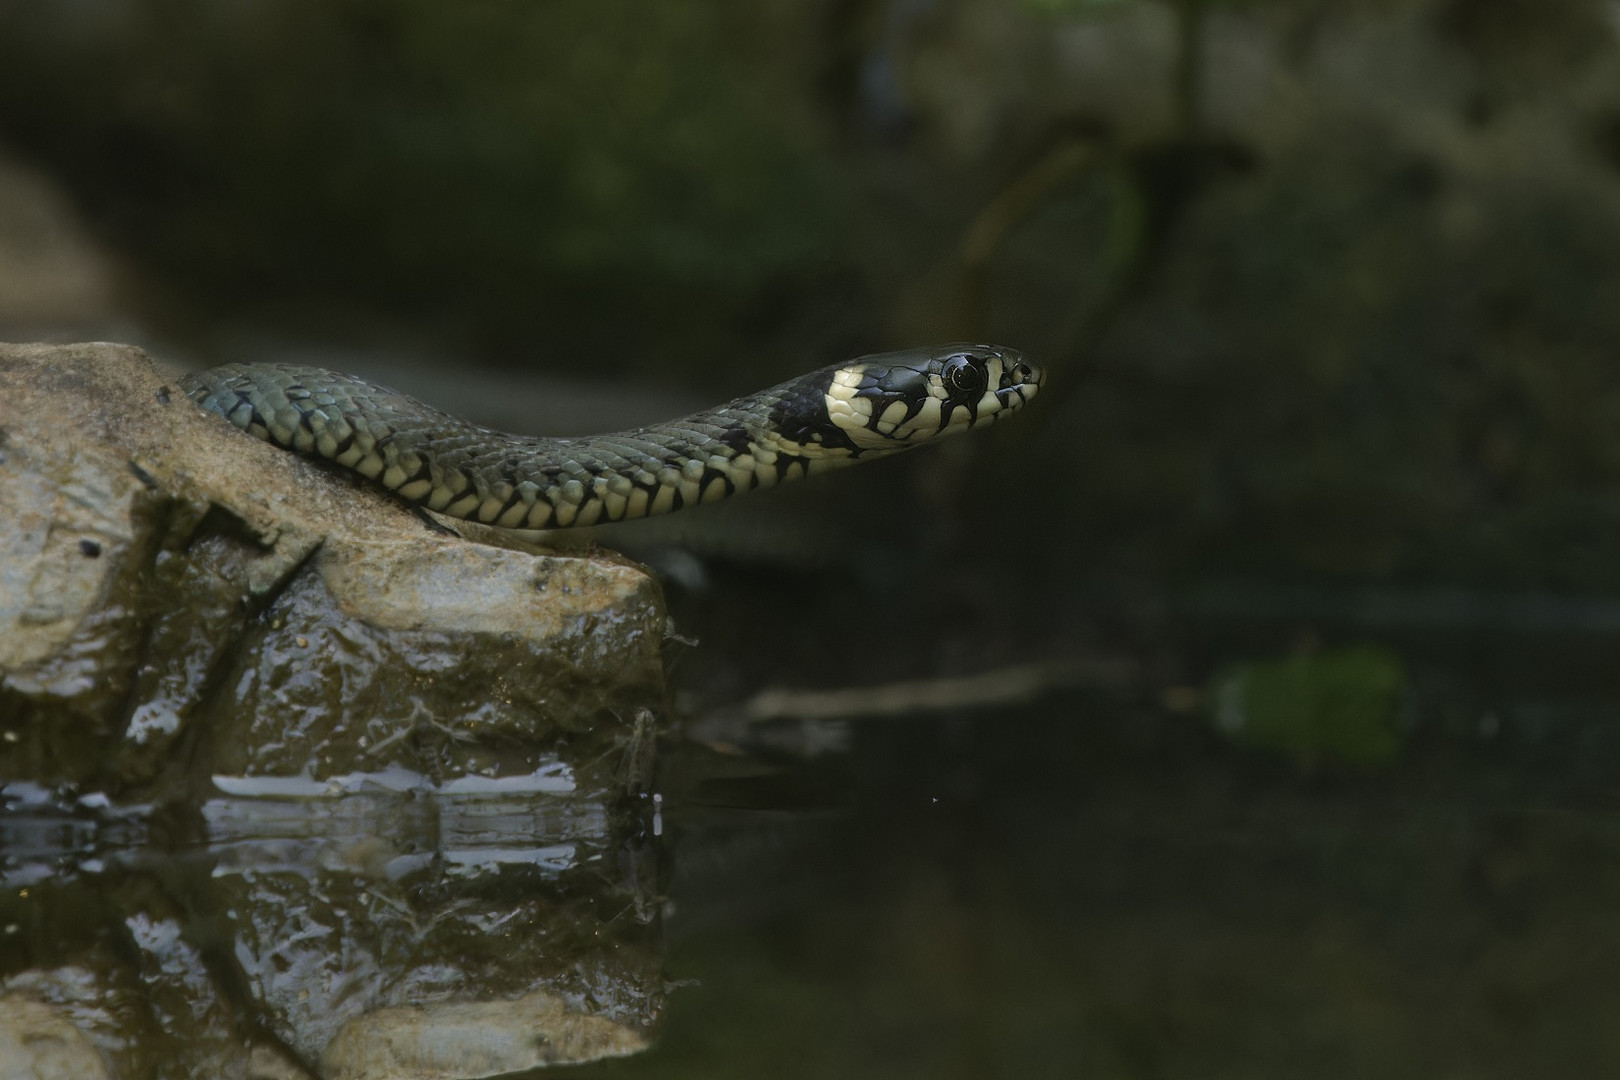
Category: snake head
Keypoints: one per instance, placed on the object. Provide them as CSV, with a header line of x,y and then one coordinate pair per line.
x,y
891,401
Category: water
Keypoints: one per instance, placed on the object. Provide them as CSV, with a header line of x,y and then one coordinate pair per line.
x,y
1098,888
1099,883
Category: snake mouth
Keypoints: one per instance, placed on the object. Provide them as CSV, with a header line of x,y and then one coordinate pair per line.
x,y
1018,393
1019,383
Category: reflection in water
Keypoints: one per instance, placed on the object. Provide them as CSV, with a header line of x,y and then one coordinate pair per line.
x,y
1092,883
367,927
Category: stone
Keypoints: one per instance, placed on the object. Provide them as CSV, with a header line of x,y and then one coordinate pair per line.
x,y
38,1041
163,574
469,1039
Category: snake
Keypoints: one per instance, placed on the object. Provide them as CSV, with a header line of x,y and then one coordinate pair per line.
x,y
869,407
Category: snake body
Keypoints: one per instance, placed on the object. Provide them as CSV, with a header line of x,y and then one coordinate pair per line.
x,y
869,407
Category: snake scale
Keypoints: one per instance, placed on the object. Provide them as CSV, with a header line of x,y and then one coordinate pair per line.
x,y
869,407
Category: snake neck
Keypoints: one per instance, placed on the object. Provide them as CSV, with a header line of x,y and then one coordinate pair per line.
x,y
464,470
755,441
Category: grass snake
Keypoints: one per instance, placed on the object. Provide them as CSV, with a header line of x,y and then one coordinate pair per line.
x,y
869,407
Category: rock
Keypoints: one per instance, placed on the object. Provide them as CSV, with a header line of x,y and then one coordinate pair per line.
x,y
404,749
463,1040
39,1042
496,650
162,574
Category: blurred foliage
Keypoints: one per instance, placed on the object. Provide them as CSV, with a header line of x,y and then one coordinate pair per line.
x,y
511,162
1070,7
1327,287
1340,705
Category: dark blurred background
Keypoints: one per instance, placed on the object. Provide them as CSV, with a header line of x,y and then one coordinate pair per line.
x,y
1327,475
1328,288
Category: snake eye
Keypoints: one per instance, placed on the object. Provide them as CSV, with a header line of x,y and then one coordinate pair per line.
x,y
963,376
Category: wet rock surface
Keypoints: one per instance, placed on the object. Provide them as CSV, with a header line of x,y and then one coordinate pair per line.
x,y
477,1038
393,758
37,1040
161,569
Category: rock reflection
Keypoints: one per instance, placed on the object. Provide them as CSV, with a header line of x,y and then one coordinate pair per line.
x,y
376,926
388,777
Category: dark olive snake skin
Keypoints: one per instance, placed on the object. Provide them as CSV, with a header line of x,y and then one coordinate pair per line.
x,y
868,407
